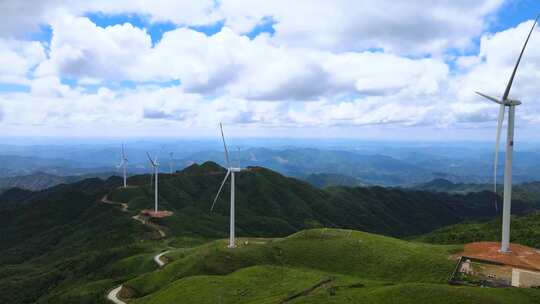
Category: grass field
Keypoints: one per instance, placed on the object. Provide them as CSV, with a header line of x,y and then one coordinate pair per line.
x,y
315,266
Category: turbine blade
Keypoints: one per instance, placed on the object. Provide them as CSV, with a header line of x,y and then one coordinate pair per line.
x,y
509,86
497,145
123,152
224,145
220,188
150,159
490,98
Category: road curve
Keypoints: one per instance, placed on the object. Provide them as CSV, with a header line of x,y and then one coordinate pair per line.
x,y
105,200
113,295
150,224
158,260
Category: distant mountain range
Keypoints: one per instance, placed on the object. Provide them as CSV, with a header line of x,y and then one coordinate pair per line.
x,y
42,180
385,164
322,180
528,191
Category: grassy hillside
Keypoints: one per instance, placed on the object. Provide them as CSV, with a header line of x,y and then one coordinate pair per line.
x,y
344,252
315,266
524,230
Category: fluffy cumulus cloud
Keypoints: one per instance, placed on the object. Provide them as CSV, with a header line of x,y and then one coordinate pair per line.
x,y
490,70
316,64
397,26
79,48
18,58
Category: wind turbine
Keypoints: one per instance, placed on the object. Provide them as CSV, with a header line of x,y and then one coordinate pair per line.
x,y
171,162
154,163
511,104
230,172
123,164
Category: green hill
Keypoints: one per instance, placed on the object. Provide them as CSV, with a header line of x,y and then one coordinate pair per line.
x,y
315,266
526,192
524,230
270,204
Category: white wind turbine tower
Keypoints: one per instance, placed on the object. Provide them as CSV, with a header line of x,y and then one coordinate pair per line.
x,y
171,163
154,163
511,104
123,164
230,172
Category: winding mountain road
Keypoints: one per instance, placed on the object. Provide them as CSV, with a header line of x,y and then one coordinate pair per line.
x,y
138,218
157,228
158,260
105,200
113,295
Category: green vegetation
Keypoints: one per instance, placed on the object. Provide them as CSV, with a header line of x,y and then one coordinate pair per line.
x,y
315,266
344,252
270,204
63,245
525,192
323,180
525,230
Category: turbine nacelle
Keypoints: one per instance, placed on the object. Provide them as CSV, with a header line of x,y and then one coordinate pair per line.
x,y
512,102
507,102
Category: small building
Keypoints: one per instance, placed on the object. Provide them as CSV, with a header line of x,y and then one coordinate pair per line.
x,y
525,278
466,267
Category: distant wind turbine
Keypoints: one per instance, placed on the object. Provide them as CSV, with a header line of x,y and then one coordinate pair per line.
x,y
511,104
230,172
154,163
123,165
171,162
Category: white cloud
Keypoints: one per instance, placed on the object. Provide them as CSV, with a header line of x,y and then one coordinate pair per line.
x,y
490,70
182,12
413,27
79,48
18,18
17,58
317,73
231,64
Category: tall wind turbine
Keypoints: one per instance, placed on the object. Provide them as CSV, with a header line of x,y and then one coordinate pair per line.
x,y
154,163
230,172
171,163
511,104
123,164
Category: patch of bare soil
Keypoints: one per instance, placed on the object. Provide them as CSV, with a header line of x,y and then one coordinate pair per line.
x,y
520,256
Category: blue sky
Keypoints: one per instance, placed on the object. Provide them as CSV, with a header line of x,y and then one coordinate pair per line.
x,y
306,68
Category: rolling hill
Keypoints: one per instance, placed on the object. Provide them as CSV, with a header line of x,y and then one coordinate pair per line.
x,y
314,266
270,204
524,230
64,245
